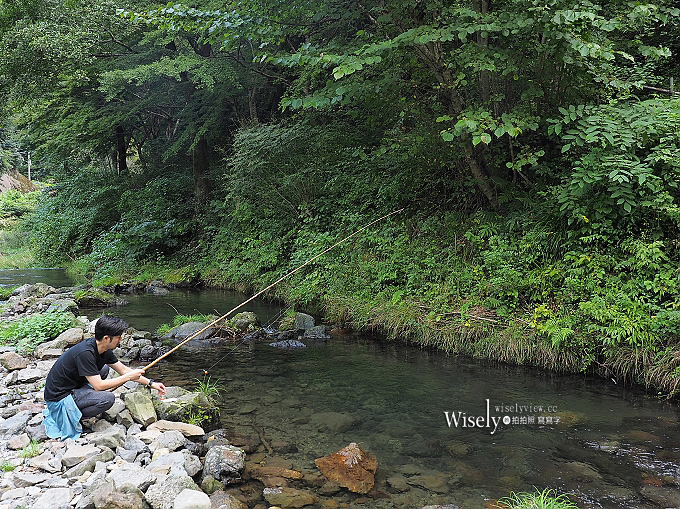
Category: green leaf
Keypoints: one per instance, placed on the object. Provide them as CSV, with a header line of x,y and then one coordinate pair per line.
x,y
447,135
566,147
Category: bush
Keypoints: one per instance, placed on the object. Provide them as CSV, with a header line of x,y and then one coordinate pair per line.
x,y
30,331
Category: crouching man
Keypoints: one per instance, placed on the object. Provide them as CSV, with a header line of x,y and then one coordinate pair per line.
x,y
77,385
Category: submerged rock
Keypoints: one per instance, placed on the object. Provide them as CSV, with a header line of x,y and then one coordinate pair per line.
x,y
350,467
289,497
288,344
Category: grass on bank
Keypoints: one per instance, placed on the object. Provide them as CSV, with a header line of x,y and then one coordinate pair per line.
x,y
546,499
15,249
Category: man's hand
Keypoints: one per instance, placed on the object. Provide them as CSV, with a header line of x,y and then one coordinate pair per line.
x,y
159,387
134,374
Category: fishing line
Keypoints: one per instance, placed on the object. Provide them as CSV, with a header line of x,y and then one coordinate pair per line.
x,y
213,323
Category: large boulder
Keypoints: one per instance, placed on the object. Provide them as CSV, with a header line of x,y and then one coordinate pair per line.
x,y
245,321
141,407
225,463
189,329
350,467
179,404
303,321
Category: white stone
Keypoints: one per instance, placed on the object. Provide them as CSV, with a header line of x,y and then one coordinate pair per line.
x,y
55,497
15,493
192,499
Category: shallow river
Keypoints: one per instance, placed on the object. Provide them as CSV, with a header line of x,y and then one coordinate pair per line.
x,y
444,429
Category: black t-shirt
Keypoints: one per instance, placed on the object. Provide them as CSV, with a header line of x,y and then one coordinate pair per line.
x,y
73,366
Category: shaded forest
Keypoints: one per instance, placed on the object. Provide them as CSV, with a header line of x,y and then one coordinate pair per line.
x,y
533,145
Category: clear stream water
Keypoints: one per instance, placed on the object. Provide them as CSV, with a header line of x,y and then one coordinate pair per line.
x,y
424,416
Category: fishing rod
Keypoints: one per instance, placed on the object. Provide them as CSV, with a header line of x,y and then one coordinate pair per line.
x,y
217,320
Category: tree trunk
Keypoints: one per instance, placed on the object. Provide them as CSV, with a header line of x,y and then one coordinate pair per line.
x,y
121,150
200,167
432,54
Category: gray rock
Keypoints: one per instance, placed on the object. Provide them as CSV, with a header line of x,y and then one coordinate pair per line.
x,y
169,464
89,464
133,474
24,479
171,440
54,498
318,332
127,455
12,360
37,433
127,496
180,407
12,378
188,430
15,493
18,442
192,464
16,424
225,463
244,321
125,418
46,461
162,494
133,443
288,344
63,305
223,500
29,375
118,407
303,321
70,337
189,329
111,438
77,454
141,407
39,290
192,499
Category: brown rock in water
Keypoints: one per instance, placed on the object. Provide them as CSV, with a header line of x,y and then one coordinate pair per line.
x,y
350,467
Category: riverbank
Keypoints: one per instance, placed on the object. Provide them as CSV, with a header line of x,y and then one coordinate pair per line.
x,y
453,325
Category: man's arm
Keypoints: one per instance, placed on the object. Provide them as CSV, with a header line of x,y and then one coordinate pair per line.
x,y
126,374
123,370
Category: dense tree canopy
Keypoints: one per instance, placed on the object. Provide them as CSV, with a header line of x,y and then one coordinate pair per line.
x,y
531,143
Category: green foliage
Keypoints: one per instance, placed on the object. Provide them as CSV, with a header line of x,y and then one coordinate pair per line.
x,y
7,466
15,203
210,388
180,319
29,331
6,291
31,450
546,499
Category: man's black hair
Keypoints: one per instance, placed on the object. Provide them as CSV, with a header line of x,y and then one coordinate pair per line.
x,y
111,326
